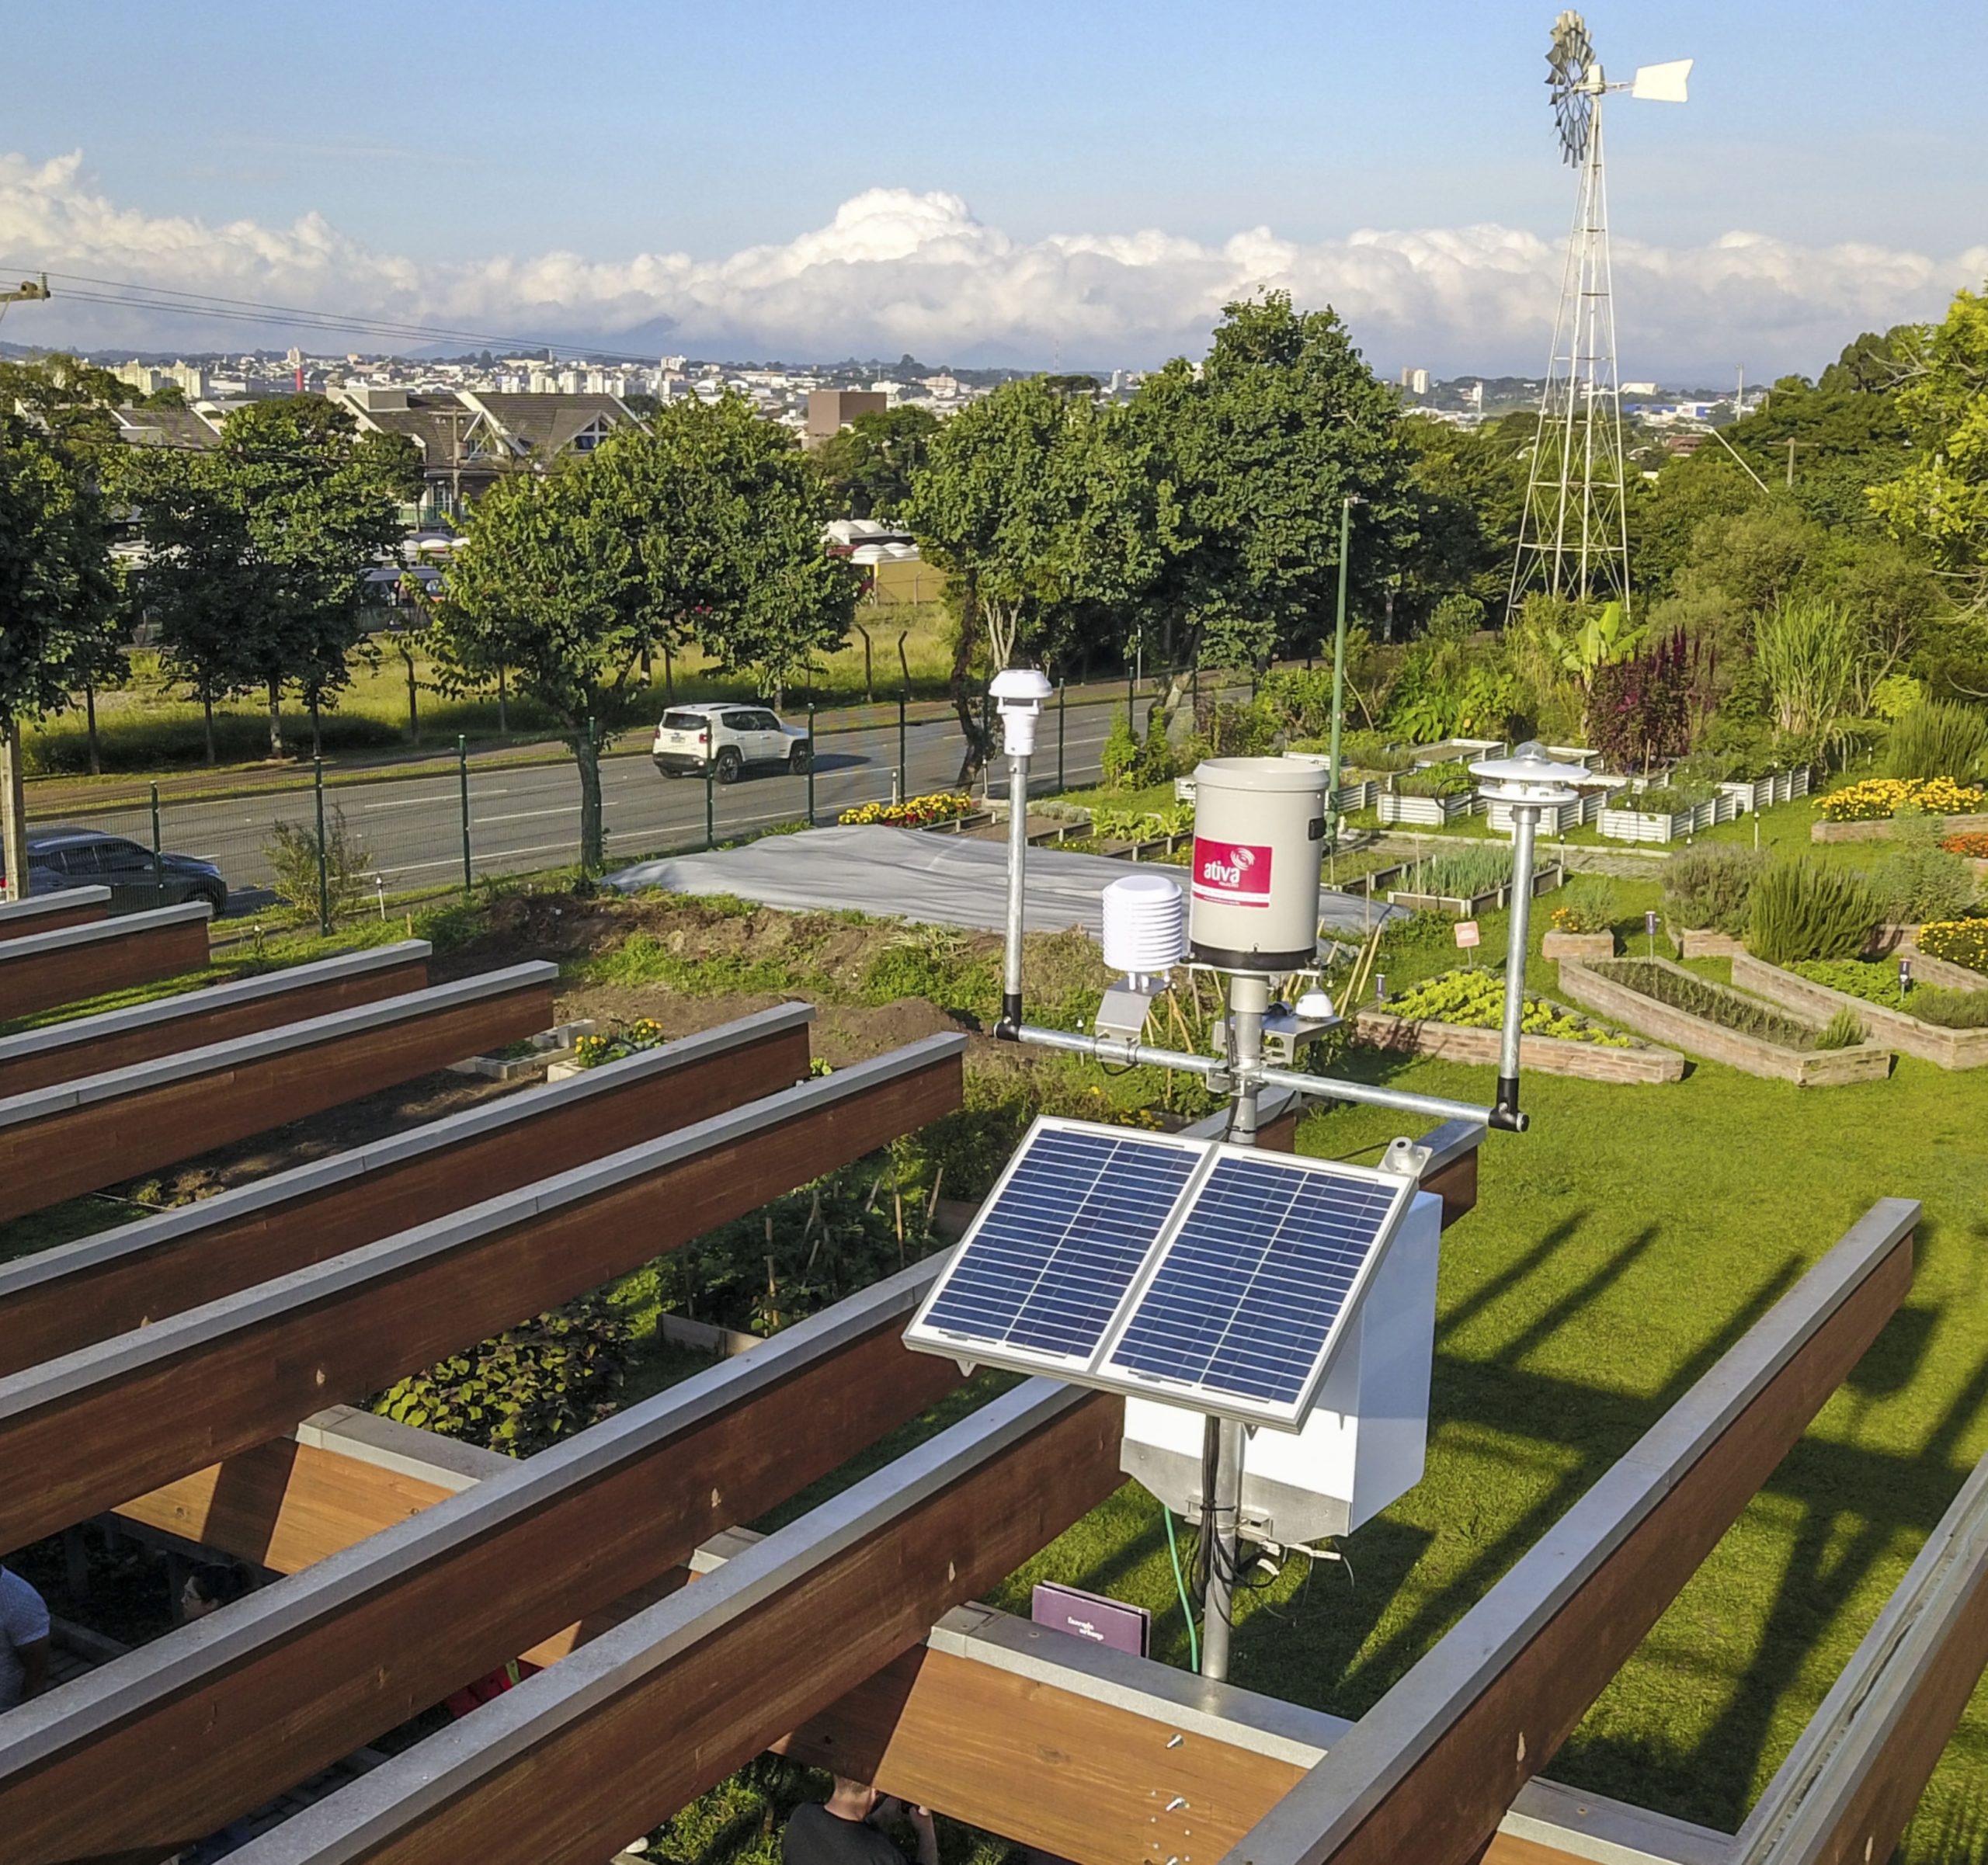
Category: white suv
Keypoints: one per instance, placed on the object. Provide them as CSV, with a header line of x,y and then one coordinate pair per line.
x,y
724,739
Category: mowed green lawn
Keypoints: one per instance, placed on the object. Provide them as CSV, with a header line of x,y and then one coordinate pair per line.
x,y
1616,1249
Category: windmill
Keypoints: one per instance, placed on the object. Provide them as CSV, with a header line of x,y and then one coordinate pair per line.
x,y
1573,537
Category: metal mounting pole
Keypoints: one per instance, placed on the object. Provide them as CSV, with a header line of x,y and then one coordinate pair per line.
x,y
324,857
158,855
1221,1509
462,771
1011,977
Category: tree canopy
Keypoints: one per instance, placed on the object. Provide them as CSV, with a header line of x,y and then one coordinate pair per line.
x,y
869,465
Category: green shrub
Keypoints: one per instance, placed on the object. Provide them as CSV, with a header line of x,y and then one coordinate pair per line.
x,y
1710,887
527,1388
1950,1009
1959,942
1586,904
1802,910
1436,780
1940,738
1844,1030
1121,755
1698,997
1917,879
291,852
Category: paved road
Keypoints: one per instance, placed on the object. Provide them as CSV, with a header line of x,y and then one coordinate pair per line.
x,y
526,817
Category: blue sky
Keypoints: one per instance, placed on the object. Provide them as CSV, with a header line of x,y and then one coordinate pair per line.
x,y
609,131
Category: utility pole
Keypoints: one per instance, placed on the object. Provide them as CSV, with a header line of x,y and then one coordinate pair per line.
x,y
13,797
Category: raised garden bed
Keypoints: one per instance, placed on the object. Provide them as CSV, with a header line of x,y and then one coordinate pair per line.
x,y
1595,1055
1701,942
1562,819
1750,1035
1880,829
1577,945
1427,812
1468,907
1936,1042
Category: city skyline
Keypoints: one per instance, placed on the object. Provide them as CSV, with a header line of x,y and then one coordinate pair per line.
x,y
1400,168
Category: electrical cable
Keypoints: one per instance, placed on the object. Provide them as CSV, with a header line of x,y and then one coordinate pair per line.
x,y
1180,1587
134,295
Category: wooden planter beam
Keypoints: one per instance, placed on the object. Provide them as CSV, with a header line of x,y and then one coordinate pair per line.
x,y
80,1136
116,1039
1101,1757
51,913
196,1729
635,1725
41,970
116,1419
1849,1786
1428,1772
59,1300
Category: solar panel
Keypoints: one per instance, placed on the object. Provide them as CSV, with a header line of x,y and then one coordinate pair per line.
x,y
1042,1271
1213,1276
1249,1294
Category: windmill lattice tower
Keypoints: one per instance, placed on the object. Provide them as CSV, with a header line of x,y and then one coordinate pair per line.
x,y
1573,530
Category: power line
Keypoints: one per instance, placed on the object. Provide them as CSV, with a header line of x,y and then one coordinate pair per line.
x,y
134,295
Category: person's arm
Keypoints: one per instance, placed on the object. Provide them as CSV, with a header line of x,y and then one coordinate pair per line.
x,y
34,1667
928,1835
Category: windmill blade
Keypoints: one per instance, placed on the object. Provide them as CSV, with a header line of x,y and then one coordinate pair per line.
x,y
1663,83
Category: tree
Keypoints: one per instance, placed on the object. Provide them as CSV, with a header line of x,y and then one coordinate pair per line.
x,y
319,508
1940,502
258,549
549,586
869,466
199,581
1038,509
706,528
1469,488
57,593
1250,457
727,518
56,599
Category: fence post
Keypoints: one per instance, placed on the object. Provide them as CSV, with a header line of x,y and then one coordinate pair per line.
x,y
462,769
1131,701
158,862
811,761
1062,693
710,817
323,864
904,772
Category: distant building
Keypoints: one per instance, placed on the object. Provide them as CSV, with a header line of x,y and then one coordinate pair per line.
x,y
174,427
830,409
469,439
1639,388
189,378
1415,381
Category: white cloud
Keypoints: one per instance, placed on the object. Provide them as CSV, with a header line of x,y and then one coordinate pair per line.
x,y
896,270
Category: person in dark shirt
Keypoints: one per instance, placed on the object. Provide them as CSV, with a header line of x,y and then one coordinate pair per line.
x,y
840,1831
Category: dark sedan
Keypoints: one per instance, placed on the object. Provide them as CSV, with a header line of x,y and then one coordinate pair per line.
x,y
61,858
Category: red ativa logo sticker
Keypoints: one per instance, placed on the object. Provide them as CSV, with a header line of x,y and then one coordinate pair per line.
x,y
1232,874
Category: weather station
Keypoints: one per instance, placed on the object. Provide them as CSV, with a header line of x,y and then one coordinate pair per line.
x,y
1269,1317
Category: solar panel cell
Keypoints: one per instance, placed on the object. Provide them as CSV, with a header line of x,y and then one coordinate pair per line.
x,y
1055,1250
1248,1296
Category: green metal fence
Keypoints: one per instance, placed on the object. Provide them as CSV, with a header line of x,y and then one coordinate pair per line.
x,y
371,838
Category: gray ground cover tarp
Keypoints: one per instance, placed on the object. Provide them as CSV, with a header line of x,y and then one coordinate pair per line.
x,y
944,879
